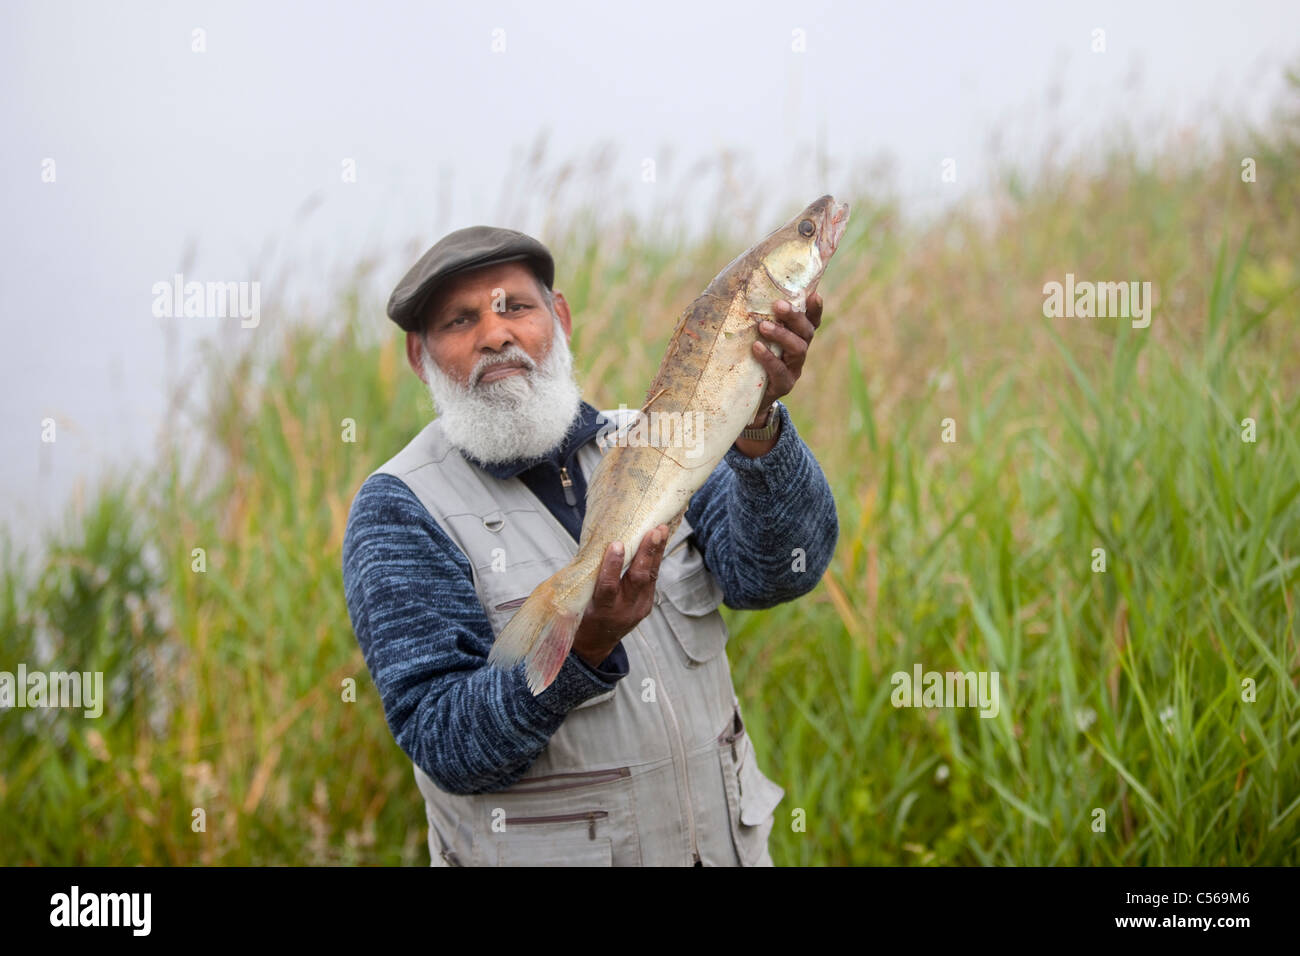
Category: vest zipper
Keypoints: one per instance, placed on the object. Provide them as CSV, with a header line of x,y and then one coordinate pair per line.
x,y
732,733
591,816
681,746
585,778
567,482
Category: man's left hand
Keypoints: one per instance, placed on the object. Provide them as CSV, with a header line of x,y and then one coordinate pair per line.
x,y
793,331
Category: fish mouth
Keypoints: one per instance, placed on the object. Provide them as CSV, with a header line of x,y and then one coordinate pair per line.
x,y
834,221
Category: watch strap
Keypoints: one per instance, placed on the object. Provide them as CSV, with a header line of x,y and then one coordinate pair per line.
x,y
768,431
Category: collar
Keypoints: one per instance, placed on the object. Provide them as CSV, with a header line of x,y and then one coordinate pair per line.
x,y
587,423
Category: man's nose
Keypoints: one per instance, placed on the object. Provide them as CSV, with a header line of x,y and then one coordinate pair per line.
x,y
495,332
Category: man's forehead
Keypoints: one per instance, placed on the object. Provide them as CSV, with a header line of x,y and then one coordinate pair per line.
x,y
465,288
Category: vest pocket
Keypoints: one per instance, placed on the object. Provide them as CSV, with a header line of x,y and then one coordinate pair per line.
x,y
503,594
581,838
558,842
583,818
690,604
751,797
556,853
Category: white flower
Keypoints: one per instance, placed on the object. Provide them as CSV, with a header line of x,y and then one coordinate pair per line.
x,y
1167,718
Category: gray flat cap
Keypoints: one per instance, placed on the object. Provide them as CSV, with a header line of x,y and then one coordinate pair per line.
x,y
458,252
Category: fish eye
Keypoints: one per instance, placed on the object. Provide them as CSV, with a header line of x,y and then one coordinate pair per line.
x,y
806,228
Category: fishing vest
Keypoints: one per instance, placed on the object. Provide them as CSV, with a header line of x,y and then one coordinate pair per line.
x,y
658,771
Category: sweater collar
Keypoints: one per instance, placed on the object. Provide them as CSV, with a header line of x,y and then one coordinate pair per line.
x,y
587,423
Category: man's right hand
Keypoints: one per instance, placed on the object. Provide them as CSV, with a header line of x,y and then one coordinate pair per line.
x,y
619,604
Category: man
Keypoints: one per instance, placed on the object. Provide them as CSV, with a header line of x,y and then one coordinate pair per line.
x,y
636,753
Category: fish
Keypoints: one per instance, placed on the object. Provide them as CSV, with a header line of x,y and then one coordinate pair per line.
x,y
707,389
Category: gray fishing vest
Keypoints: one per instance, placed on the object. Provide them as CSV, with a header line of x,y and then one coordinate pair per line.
x,y
658,771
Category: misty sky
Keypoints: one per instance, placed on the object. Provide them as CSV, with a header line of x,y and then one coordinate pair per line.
x,y
228,162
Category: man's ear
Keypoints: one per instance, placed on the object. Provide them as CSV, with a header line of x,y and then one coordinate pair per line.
x,y
566,318
413,348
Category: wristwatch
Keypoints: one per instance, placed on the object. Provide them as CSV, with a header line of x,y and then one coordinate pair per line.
x,y
768,431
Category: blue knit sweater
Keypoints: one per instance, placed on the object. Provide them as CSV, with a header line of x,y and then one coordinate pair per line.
x,y
425,635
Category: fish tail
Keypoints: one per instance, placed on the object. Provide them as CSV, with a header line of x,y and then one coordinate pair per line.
x,y
541,632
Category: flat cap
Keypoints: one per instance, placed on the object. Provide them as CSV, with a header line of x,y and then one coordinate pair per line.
x,y
458,252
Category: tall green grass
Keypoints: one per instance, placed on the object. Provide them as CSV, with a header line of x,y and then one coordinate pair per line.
x,y
1121,691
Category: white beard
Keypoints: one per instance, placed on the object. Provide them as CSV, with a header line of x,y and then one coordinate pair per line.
x,y
522,416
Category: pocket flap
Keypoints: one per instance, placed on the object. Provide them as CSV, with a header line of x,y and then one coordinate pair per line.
x,y
759,796
690,604
758,799
696,594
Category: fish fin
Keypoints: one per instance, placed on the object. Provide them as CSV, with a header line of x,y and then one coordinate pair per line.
x,y
549,655
540,634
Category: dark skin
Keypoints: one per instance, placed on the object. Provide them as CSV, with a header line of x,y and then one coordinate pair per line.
x,y
793,331
461,327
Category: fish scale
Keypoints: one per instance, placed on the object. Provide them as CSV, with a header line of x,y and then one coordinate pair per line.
x,y
709,374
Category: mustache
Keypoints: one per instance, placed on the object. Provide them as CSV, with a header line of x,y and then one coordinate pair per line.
x,y
511,355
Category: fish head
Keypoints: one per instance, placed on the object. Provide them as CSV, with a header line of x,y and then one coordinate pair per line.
x,y
796,255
